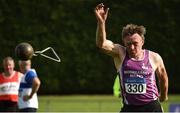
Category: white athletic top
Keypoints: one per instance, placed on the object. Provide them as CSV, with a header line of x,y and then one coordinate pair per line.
x,y
25,89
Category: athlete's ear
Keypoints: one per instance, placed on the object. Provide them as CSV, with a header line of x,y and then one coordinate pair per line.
x,y
142,41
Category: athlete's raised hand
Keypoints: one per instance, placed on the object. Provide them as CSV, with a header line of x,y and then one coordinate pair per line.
x,y
101,13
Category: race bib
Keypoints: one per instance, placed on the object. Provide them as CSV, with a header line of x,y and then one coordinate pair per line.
x,y
135,85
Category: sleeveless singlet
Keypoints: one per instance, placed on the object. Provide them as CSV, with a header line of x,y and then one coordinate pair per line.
x,y
138,82
9,87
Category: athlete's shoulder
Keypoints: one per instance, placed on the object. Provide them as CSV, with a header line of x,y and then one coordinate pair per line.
x,y
31,73
20,75
120,46
121,49
155,59
155,55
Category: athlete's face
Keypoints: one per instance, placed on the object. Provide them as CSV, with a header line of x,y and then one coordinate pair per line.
x,y
134,44
24,65
8,66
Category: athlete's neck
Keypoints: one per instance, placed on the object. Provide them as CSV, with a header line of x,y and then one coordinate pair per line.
x,y
137,56
8,74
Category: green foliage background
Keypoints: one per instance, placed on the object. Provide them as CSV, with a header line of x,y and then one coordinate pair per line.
x,y
69,27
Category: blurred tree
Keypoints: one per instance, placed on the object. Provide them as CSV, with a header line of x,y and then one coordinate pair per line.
x,y
69,27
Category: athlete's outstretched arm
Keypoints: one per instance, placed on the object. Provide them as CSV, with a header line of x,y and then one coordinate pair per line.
x,y
163,79
108,46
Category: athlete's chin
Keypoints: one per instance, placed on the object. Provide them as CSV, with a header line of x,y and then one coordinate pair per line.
x,y
132,53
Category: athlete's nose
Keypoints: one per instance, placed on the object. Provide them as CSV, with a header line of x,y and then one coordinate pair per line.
x,y
131,46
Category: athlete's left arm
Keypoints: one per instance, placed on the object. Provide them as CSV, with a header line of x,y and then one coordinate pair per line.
x,y
162,77
35,87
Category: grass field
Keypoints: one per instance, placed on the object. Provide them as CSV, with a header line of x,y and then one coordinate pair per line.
x,y
88,103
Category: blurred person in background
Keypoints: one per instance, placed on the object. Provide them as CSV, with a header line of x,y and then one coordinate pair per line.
x,y
30,83
116,87
9,86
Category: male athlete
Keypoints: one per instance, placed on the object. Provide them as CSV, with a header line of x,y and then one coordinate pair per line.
x,y
9,86
137,66
30,83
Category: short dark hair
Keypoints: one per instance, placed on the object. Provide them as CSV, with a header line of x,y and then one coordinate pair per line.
x,y
130,29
